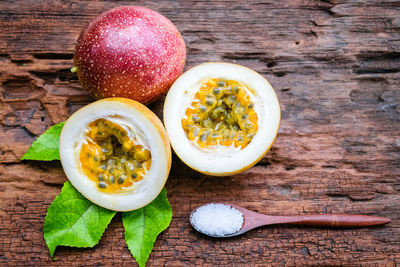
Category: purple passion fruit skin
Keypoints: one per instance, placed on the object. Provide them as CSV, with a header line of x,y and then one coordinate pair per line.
x,y
131,52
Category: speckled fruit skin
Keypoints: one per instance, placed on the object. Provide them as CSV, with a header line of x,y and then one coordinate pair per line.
x,y
131,52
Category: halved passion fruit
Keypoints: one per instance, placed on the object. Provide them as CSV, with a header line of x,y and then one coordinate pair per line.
x,y
116,153
221,118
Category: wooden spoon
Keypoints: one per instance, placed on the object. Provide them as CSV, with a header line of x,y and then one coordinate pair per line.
x,y
253,220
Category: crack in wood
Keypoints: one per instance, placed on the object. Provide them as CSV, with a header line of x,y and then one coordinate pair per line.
x,y
53,56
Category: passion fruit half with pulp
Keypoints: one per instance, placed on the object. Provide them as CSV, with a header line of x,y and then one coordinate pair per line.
x,y
116,153
221,118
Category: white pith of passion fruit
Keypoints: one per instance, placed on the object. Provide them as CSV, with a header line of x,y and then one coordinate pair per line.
x,y
135,122
189,92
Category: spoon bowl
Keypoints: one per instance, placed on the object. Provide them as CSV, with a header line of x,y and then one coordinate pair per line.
x,y
251,220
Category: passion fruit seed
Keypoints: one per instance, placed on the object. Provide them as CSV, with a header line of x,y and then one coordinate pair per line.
x,y
102,185
114,153
195,118
129,166
120,180
203,137
228,119
221,83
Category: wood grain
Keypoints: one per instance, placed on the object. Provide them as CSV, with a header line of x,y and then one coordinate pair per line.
x,y
335,65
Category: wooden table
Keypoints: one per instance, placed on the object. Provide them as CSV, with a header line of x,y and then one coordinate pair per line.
x,y
335,66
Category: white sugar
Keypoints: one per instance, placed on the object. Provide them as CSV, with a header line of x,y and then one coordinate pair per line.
x,y
217,219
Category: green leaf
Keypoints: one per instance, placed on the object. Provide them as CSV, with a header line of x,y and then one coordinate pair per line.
x,y
74,221
46,146
142,226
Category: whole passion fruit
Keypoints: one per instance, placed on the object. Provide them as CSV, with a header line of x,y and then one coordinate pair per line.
x,y
221,118
131,52
116,153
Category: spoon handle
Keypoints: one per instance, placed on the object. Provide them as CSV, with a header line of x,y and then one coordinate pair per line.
x,y
331,220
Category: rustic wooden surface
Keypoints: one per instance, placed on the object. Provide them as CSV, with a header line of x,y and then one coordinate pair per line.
x,y
335,66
